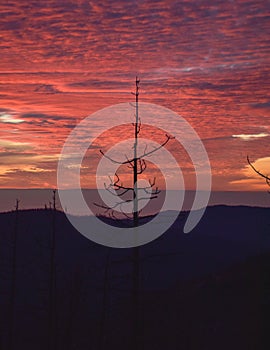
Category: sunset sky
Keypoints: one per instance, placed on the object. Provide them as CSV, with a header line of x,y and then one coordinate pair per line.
x,y
62,60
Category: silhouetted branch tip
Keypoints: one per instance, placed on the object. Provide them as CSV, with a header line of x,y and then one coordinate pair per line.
x,y
266,177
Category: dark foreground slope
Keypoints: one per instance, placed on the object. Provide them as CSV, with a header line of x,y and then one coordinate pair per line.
x,y
205,290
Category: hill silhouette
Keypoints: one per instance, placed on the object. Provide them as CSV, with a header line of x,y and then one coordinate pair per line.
x,y
204,290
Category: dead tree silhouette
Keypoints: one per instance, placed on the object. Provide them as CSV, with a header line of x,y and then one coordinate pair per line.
x,y
104,301
52,303
266,177
138,165
13,277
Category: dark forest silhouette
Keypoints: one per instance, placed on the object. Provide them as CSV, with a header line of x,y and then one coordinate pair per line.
x,y
203,290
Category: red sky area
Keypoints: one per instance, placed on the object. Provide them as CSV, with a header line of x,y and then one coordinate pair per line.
x,y
63,60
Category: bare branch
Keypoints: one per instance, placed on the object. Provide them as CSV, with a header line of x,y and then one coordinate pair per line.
x,y
130,162
139,125
152,184
115,186
142,166
155,191
266,177
168,138
114,193
102,206
149,189
117,204
147,198
145,154
111,159
126,215
145,148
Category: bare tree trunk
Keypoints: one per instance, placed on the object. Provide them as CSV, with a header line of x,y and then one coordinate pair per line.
x,y
13,278
136,255
52,325
135,167
76,288
104,302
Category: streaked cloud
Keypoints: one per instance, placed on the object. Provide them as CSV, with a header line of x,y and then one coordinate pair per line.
x,y
14,145
9,119
207,61
250,137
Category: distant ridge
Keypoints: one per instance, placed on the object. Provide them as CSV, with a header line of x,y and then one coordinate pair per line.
x,y
37,198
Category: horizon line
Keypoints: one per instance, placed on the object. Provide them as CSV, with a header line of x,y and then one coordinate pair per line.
x,y
86,188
